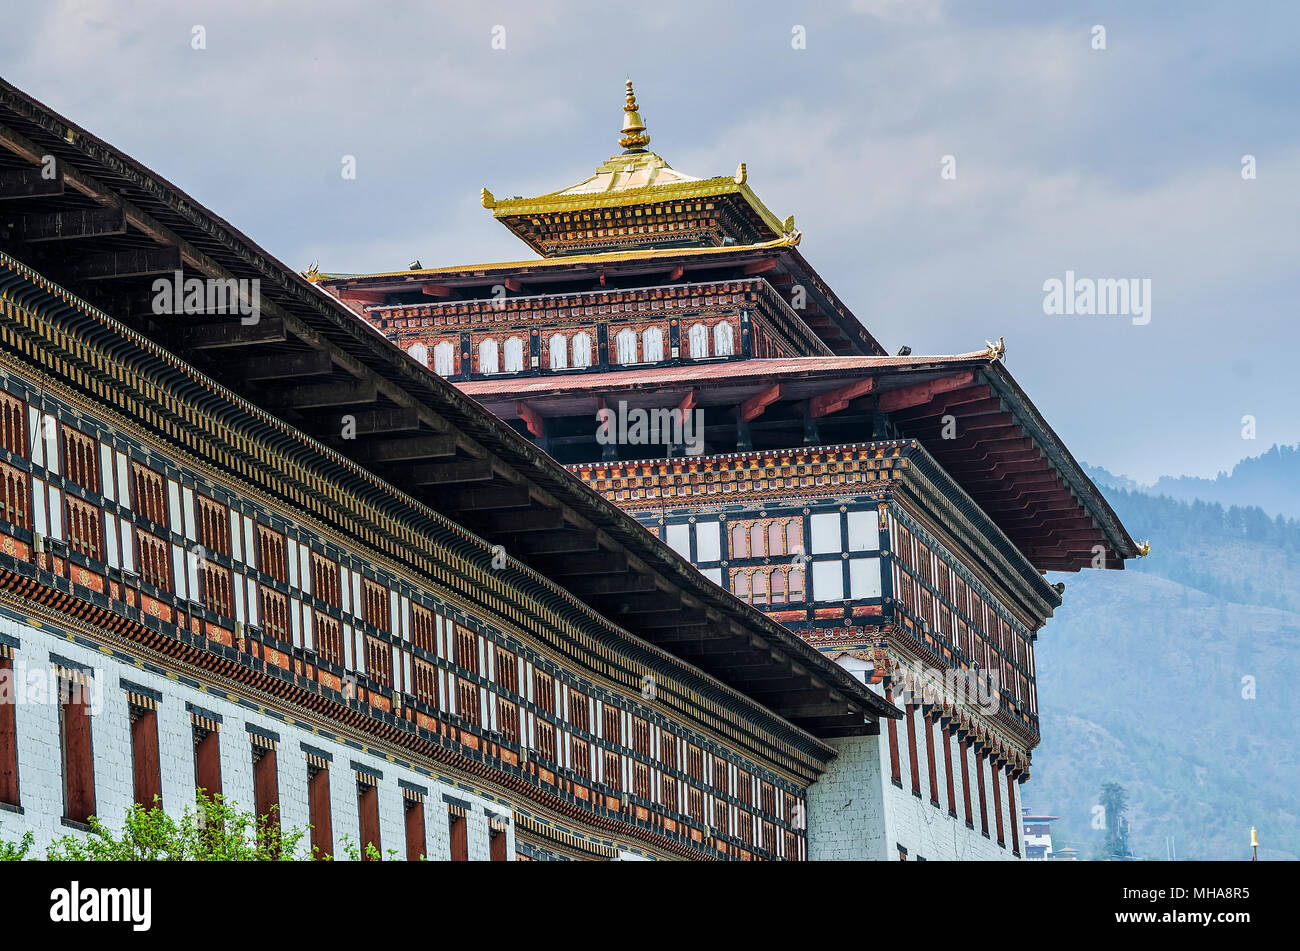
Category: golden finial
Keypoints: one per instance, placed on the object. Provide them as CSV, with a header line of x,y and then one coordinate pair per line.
x,y
634,135
787,226
741,174
312,272
1144,549
996,351
486,198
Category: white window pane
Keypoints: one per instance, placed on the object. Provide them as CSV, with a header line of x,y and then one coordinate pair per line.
x,y
864,578
864,531
106,471
828,581
714,575
56,513
110,539
174,505
826,533
34,436
128,546
51,443
708,545
124,493
559,353
679,539
38,504
188,497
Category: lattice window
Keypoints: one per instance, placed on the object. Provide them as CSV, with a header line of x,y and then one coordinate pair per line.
x,y
13,425
155,568
15,502
545,692
214,525
508,719
81,459
581,757
466,649
271,553
83,527
218,594
546,741
769,837
744,786
325,579
721,775
613,770
379,661
613,723
579,711
426,681
423,629
467,701
328,634
275,614
668,756
377,611
150,494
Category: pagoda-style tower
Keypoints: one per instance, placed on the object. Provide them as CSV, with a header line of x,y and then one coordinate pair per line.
x,y
674,348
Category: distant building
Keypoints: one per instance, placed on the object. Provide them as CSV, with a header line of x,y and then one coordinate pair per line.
x,y
1038,835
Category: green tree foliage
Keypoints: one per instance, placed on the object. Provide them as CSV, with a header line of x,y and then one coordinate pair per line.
x,y
212,831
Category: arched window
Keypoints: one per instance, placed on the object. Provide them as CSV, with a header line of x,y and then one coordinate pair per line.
x,y
487,357
652,345
776,539
559,352
699,341
739,540
758,587
722,339
626,341
778,586
514,355
758,541
419,353
741,583
796,584
444,359
581,350
794,536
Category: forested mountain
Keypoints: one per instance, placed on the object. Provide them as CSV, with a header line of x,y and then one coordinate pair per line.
x,y
1177,678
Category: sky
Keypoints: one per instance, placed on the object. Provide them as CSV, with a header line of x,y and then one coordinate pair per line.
x,y
1122,162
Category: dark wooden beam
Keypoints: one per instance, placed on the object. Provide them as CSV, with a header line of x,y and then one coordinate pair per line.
x,y
284,366
507,523
69,224
109,265
484,498
560,542
17,183
404,450
576,566
449,473
324,395
231,334
375,421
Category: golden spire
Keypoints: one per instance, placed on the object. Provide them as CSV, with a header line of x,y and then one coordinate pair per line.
x,y
634,134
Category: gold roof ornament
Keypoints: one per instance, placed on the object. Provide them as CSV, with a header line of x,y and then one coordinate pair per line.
x,y
313,271
1144,549
487,198
634,137
741,174
996,351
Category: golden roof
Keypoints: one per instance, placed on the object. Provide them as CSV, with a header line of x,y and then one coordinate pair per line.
x,y
635,176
